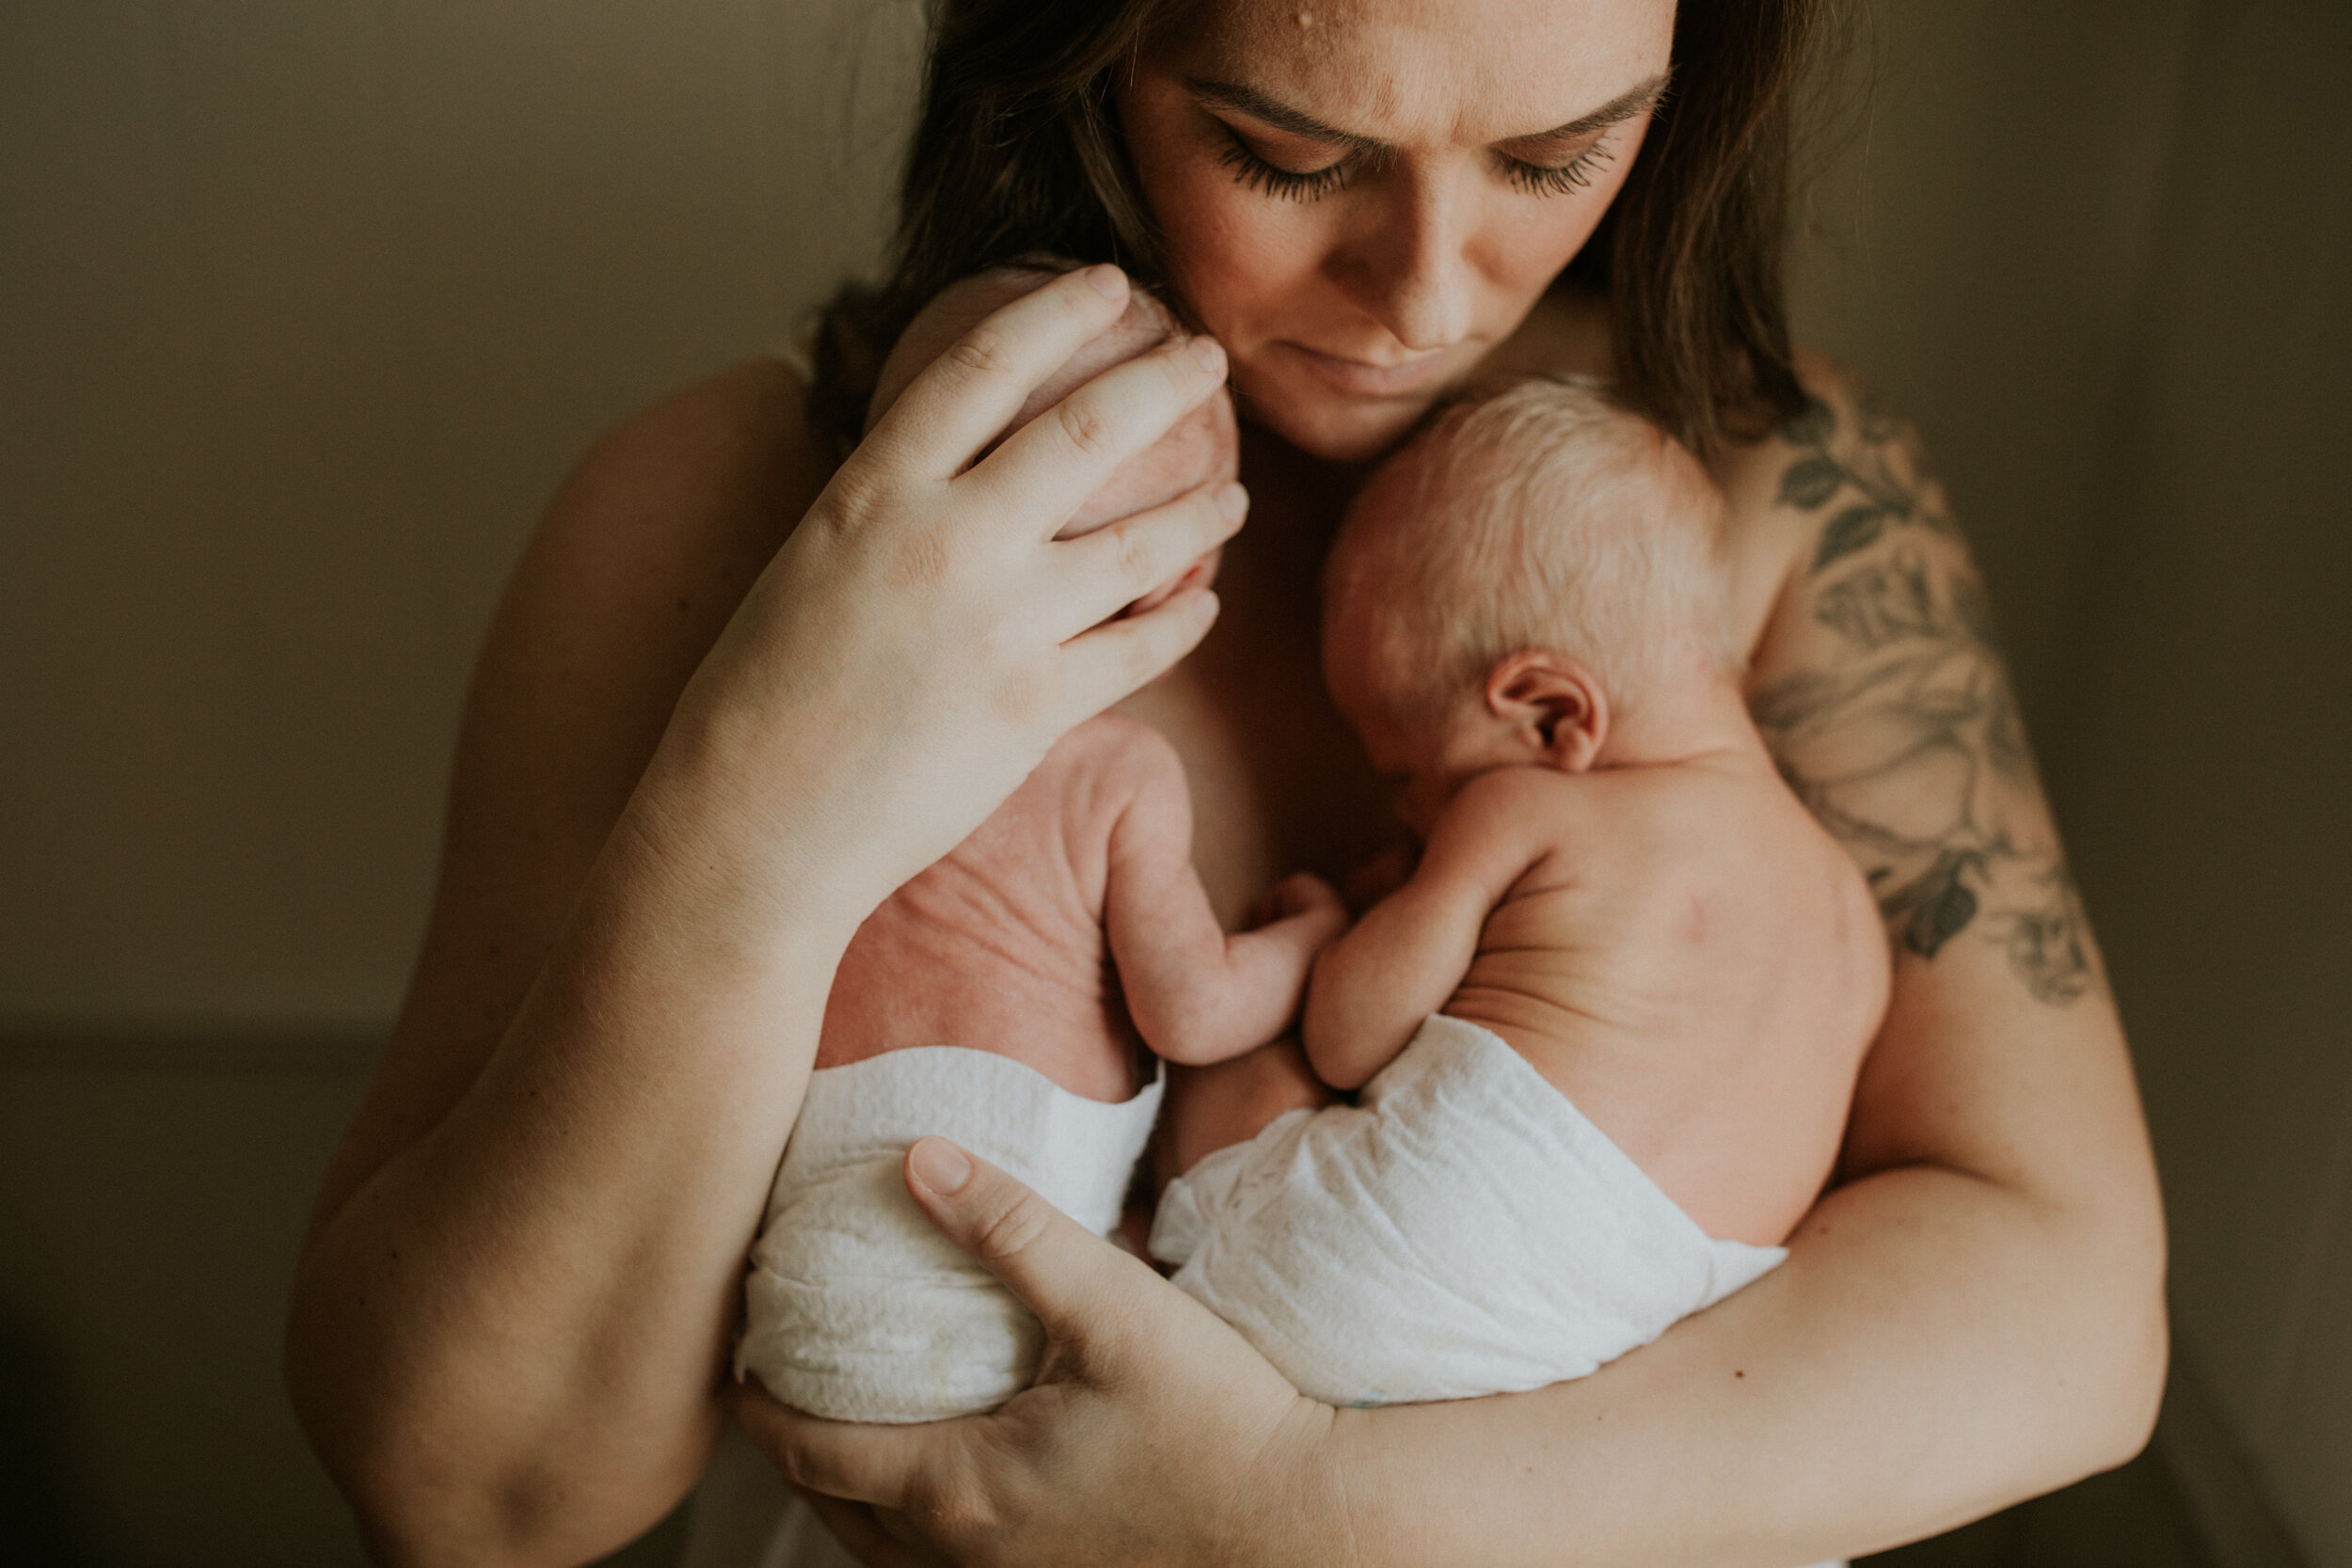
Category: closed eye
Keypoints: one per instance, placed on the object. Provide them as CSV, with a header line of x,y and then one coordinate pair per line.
x,y
1577,174
1256,173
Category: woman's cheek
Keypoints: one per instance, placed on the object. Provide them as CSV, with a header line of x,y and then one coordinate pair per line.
x,y
1237,257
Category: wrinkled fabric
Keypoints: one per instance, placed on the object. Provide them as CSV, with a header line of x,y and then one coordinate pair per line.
x,y
1463,1229
857,1308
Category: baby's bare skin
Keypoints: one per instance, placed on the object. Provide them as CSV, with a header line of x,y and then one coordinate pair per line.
x,y
1070,926
1634,901
1676,946
1071,923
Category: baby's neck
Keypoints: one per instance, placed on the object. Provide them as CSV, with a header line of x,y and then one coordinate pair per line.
x,y
1696,719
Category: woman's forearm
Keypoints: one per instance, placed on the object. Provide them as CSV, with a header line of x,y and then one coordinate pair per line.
x,y
1974,1315
509,1319
1976,1318
505,1343
1921,1362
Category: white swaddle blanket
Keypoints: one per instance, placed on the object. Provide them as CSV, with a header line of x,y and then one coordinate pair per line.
x,y
857,1308
1462,1166
1462,1230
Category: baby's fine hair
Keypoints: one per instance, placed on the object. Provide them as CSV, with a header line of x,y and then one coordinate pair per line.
x,y
1541,514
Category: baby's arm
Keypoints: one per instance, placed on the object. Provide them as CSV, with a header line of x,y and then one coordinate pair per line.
x,y
1196,994
1373,988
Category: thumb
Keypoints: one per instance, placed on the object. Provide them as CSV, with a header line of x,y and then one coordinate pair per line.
x,y
1059,1269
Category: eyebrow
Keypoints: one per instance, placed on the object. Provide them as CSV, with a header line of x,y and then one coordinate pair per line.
x,y
1258,106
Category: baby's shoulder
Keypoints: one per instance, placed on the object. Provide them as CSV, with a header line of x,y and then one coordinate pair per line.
x,y
1107,766
1522,801
1707,803
1539,818
1113,744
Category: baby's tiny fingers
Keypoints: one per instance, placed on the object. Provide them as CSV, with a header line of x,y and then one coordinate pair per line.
x,y
1303,892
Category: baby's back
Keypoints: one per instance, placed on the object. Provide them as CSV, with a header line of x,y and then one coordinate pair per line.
x,y
1695,964
1000,946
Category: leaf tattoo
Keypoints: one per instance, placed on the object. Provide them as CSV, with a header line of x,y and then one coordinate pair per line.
x,y
1905,740
1816,478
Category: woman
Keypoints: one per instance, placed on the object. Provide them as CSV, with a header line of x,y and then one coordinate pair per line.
x,y
703,741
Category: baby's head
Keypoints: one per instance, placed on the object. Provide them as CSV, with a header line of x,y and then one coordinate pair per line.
x,y
1536,568
1199,449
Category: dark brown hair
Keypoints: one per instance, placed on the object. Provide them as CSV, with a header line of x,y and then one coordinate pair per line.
x,y
1018,152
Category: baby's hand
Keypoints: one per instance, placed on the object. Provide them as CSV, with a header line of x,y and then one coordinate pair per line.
x,y
1309,899
1382,874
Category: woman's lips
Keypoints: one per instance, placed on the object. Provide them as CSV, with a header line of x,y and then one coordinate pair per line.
x,y
1364,378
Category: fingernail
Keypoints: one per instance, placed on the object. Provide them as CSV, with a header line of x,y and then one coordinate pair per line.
x,y
1108,281
1233,500
939,1165
1210,353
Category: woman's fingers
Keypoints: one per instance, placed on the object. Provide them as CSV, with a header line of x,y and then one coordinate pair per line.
x,y
842,1459
1143,1406
857,1528
1065,1274
1119,562
1121,656
1049,467
964,400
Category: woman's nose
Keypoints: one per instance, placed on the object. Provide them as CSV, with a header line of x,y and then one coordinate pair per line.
x,y
1409,265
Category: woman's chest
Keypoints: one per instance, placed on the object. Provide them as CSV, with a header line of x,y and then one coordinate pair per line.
x,y
1279,783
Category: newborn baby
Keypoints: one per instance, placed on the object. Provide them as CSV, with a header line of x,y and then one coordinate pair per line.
x,y
997,999
1609,1028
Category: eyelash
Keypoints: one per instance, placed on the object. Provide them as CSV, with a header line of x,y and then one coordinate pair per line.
x,y
1574,175
1254,173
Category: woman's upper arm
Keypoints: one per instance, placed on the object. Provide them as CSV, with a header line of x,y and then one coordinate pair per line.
x,y
643,555
1878,682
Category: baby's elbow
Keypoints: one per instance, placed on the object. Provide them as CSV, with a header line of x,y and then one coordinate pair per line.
x,y
1192,1034
1337,1066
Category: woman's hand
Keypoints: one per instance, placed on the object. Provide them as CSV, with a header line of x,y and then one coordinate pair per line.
x,y
1146,1412
922,639
519,1280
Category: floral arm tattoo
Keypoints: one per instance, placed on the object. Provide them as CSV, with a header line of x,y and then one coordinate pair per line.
x,y
1898,729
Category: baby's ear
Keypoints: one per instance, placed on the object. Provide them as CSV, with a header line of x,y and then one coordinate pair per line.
x,y
1554,705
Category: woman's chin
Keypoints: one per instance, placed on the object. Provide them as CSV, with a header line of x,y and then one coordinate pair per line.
x,y
1337,430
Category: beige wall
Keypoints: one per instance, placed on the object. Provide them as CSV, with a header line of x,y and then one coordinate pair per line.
x,y
308,305
305,306
2208,769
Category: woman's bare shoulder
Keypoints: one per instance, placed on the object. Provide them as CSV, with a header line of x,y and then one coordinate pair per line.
x,y
731,456
1776,487
657,532
644,554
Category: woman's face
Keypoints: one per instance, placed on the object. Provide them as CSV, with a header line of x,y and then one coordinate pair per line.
x,y
1361,197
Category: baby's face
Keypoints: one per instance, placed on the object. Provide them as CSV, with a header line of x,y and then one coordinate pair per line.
x,y
1199,449
1425,757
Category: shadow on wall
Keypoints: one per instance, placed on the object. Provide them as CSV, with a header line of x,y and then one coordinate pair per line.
x,y
152,1197
39,1503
